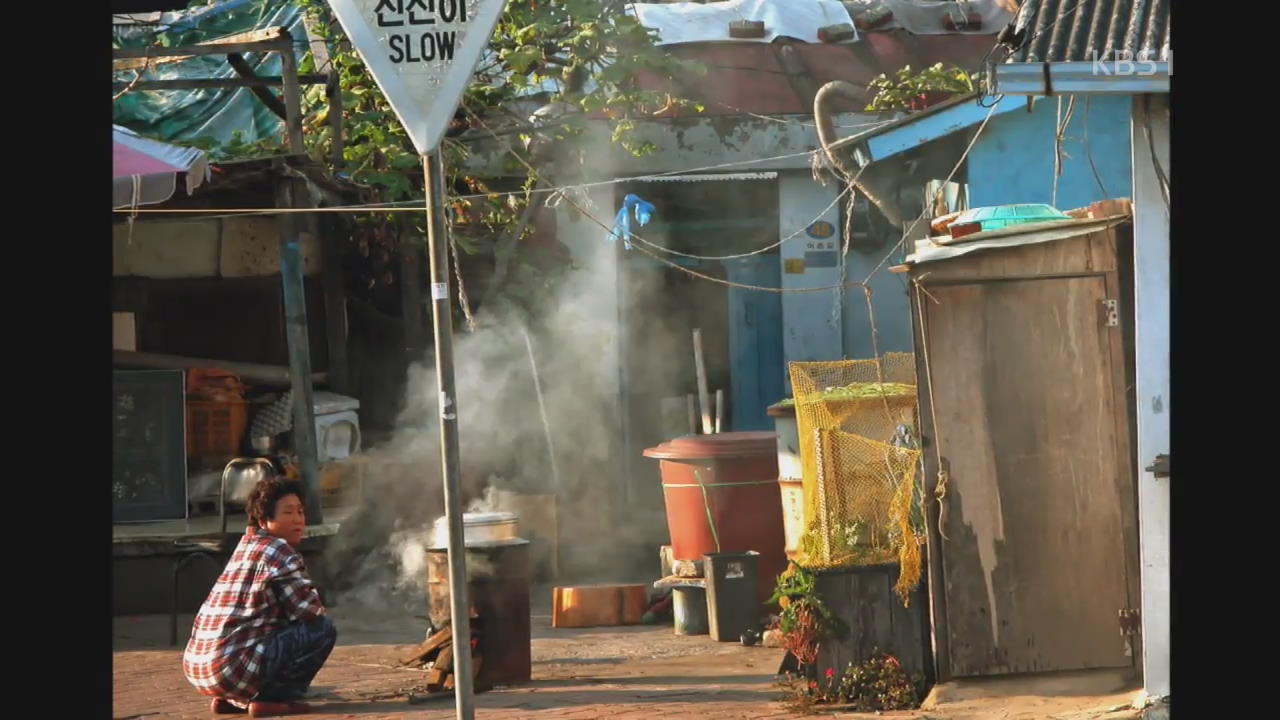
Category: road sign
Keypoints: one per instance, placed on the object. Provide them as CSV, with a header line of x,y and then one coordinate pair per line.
x,y
421,53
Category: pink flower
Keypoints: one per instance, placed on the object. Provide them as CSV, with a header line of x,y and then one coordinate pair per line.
x,y
830,672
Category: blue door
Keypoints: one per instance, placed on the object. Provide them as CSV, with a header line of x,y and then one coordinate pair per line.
x,y
756,368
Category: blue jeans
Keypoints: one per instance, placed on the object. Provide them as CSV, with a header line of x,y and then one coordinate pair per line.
x,y
292,657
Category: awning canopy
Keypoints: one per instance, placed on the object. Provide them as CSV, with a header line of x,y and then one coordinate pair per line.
x,y
145,172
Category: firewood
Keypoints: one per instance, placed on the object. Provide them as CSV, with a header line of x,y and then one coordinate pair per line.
x,y
431,645
444,661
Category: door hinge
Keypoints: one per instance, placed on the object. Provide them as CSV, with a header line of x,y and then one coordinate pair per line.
x,y
1160,468
1130,622
1110,313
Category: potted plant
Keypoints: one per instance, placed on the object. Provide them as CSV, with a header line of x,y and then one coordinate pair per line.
x,y
914,91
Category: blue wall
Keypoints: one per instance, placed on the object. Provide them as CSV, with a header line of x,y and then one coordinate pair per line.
x,y
1012,161
889,301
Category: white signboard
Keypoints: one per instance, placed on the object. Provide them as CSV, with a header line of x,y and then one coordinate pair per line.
x,y
421,53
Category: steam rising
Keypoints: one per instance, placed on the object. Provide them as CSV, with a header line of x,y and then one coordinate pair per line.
x,y
380,557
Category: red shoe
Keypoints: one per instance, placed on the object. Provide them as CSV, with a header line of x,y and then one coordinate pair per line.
x,y
222,706
259,708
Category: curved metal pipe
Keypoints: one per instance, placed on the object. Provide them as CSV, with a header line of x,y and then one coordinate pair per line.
x,y
859,177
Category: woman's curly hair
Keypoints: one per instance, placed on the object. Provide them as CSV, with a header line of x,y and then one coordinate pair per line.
x,y
265,495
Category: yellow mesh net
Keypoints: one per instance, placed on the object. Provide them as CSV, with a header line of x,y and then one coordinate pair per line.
x,y
860,461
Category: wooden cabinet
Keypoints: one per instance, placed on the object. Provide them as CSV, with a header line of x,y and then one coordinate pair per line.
x,y
1021,357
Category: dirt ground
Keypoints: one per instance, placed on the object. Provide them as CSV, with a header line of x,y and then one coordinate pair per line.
x,y
578,674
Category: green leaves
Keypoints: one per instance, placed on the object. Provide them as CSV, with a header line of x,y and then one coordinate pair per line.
x,y
521,60
582,55
908,90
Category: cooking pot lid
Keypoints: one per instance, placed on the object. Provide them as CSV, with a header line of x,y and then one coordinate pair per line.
x,y
719,445
490,518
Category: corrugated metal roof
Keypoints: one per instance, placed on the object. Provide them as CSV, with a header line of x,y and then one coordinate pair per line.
x,y
1087,30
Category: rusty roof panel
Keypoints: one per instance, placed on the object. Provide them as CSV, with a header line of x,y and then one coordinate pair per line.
x,y
748,77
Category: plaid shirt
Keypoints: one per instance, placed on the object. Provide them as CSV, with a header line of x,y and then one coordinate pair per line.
x,y
263,588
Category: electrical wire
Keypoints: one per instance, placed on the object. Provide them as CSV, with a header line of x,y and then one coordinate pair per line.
x,y
416,204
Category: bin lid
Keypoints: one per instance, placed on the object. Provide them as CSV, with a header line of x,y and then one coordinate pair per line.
x,y
325,403
718,445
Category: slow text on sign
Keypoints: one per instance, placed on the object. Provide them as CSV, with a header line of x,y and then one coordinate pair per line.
x,y
426,36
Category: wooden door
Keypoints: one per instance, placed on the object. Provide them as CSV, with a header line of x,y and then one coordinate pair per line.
x,y
1036,520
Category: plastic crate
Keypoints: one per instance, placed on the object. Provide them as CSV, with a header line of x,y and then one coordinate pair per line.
x,y
1002,216
215,428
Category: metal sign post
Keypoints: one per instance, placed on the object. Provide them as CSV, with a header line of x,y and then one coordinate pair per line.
x,y
422,54
442,321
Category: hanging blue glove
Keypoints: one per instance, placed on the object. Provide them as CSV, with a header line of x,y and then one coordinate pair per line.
x,y
622,221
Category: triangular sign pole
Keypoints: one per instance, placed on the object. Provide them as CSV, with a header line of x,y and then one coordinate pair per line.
x,y
422,54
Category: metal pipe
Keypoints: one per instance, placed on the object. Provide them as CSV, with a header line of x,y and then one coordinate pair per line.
x,y
250,372
442,317
859,177
704,397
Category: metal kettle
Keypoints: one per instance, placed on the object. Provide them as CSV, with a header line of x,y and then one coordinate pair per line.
x,y
236,474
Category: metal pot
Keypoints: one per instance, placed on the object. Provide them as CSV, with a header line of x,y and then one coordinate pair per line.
x,y
241,475
480,529
238,478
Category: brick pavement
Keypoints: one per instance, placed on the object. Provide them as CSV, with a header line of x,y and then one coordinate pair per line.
x,y
150,684
592,674
624,675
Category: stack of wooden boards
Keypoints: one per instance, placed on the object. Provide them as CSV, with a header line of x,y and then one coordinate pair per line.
x,y
436,656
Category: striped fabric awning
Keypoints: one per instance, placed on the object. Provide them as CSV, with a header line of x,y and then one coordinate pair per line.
x,y
145,172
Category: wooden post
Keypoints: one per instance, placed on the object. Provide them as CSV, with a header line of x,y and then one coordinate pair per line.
x,y
260,81
704,398
245,71
938,629
295,315
333,92
292,99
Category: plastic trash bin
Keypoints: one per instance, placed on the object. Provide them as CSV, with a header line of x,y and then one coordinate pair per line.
x,y
732,606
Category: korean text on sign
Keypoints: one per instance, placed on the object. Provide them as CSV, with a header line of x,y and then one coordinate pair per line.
x,y
426,36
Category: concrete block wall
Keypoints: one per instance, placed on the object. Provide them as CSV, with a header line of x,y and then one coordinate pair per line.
x,y
225,247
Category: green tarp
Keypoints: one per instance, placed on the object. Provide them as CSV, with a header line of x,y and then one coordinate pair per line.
x,y
185,116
